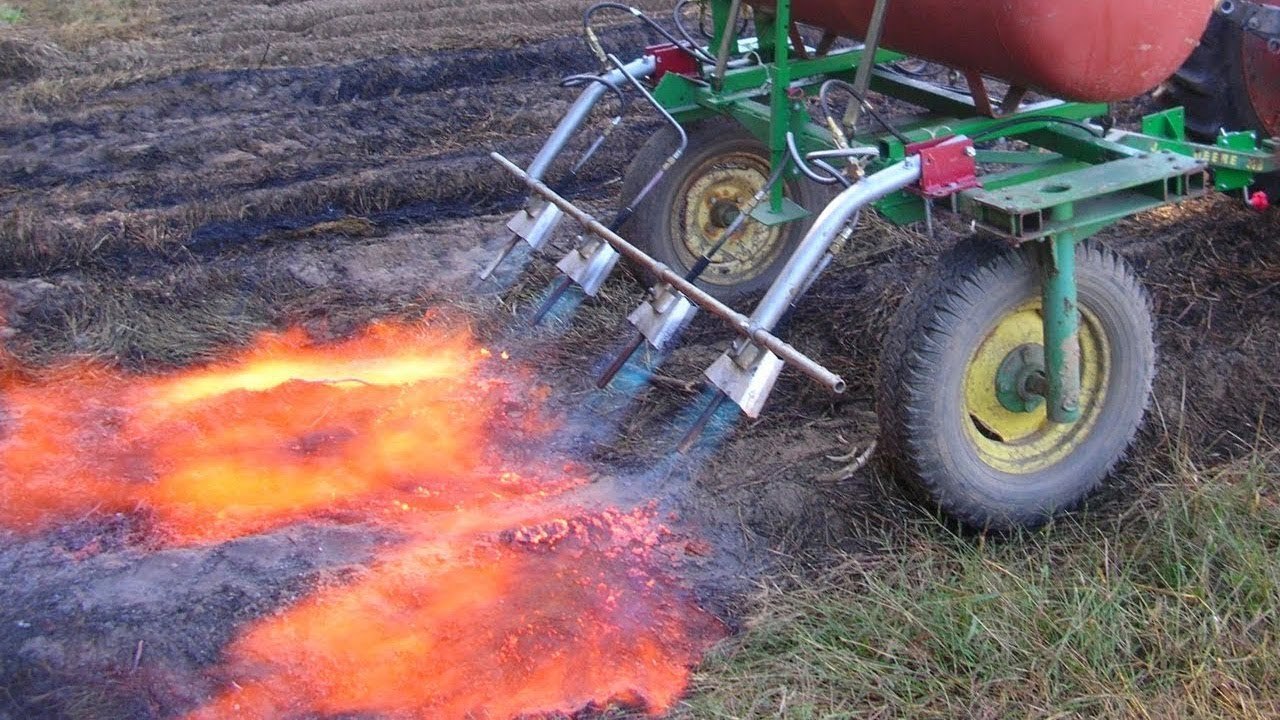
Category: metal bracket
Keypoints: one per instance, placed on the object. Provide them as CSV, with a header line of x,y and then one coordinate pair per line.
x,y
663,316
948,166
982,97
535,223
589,264
746,384
789,211
671,58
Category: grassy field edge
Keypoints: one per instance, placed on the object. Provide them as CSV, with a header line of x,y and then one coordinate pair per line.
x,y
1165,608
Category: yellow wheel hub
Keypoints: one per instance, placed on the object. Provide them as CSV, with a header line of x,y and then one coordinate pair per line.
x,y
1027,442
717,193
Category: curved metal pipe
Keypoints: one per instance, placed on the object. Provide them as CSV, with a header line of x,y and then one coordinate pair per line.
x,y
581,108
680,131
861,151
572,81
825,229
804,166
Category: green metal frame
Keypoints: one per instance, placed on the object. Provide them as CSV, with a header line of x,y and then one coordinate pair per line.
x,y
1068,185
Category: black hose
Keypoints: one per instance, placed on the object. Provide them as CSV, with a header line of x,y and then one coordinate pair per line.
x,y
825,91
678,17
584,78
594,41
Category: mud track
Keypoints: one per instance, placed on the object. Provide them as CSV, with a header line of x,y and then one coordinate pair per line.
x,y
302,163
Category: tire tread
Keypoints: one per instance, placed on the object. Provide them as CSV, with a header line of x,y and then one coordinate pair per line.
x,y
918,337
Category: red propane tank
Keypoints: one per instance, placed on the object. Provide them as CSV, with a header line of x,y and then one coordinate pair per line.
x,y
1086,50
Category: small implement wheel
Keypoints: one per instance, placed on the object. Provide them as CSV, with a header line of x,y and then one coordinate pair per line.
x,y
960,414
700,196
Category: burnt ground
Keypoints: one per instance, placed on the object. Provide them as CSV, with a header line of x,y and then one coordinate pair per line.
x,y
165,194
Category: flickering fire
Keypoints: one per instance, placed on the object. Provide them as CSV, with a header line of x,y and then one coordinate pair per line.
x,y
505,597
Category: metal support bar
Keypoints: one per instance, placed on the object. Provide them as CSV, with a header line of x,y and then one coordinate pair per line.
x,y
780,100
826,228
1061,329
727,41
747,371
740,323
721,27
535,223
862,80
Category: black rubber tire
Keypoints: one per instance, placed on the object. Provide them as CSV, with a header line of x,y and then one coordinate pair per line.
x,y
1213,87
920,395
650,227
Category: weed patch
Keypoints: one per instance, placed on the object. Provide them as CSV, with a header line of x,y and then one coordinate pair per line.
x,y
10,15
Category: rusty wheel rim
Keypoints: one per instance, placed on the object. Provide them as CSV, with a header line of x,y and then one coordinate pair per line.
x,y
710,199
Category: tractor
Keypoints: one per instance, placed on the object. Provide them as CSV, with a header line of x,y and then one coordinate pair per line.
x,y
1018,372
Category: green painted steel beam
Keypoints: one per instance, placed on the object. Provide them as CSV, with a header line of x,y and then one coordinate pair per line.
x,y
753,79
773,30
1235,157
1146,174
1061,310
948,102
1235,163
1030,120
1024,206
1078,144
1031,173
1016,157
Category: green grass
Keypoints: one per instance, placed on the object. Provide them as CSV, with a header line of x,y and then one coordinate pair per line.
x,y
1167,611
10,15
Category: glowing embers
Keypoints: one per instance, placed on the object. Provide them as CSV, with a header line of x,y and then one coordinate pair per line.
x,y
553,618
501,596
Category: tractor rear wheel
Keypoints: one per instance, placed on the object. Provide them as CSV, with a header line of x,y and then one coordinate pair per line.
x,y
700,196
1230,82
947,421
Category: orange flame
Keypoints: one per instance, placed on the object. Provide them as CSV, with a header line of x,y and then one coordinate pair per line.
x,y
504,599
505,629
267,438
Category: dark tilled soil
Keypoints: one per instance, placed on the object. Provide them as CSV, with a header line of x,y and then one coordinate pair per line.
x,y
157,222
